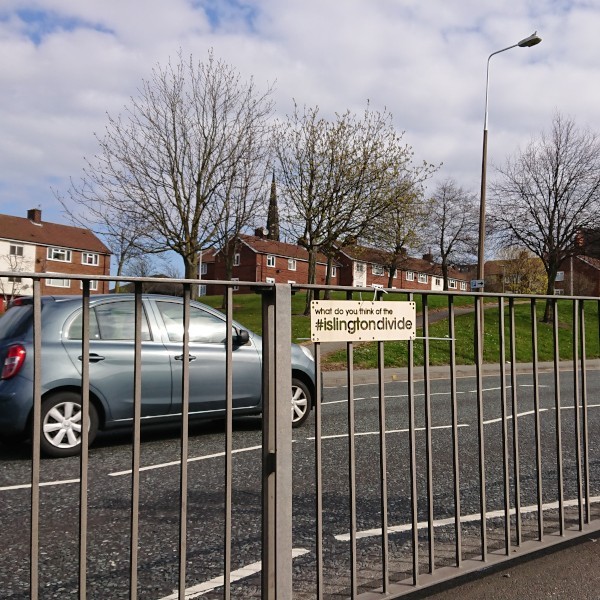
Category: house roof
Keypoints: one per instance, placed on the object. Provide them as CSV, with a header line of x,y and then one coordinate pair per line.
x,y
19,229
265,246
591,261
406,263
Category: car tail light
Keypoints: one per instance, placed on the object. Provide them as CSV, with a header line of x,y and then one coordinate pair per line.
x,y
14,361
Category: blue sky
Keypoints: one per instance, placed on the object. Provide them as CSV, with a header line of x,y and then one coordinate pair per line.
x,y
65,64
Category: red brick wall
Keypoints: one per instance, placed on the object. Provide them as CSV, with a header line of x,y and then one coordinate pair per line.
x,y
75,267
253,267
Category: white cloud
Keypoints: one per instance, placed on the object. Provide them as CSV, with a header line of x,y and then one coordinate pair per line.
x,y
425,61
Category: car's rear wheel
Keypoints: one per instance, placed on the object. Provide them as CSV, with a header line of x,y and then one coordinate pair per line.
x,y
301,402
61,425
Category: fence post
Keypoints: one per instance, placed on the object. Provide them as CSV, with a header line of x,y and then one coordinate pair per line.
x,y
277,444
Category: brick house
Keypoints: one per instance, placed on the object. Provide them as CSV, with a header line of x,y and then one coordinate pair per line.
x,y
361,266
260,259
580,275
32,245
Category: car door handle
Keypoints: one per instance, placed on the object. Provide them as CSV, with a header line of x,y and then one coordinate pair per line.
x,y
191,357
94,358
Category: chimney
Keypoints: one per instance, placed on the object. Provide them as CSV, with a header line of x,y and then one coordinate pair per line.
x,y
428,257
261,232
35,215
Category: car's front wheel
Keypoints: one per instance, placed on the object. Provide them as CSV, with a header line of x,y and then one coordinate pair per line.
x,y
61,425
301,402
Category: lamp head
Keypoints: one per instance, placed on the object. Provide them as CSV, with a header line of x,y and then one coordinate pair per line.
x,y
532,40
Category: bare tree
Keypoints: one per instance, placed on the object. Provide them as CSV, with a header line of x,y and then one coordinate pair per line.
x,y
548,193
336,176
171,160
397,229
14,285
450,232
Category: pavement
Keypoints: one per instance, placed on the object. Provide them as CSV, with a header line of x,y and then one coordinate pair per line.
x,y
568,570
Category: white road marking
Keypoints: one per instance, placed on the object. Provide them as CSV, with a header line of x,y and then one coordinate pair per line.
x,y
27,486
345,537
523,414
345,435
178,462
217,582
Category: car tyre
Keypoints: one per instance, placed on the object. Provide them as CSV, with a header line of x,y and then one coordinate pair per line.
x,y
61,419
301,402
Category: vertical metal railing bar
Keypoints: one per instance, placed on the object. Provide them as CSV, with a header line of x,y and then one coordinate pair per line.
x,y
352,470
413,459
505,467
480,427
584,408
85,423
428,424
277,444
184,447
136,450
35,450
383,469
576,416
455,454
268,442
228,444
515,420
537,419
318,471
558,422
283,442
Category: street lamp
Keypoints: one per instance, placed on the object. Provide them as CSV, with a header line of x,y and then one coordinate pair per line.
x,y
527,42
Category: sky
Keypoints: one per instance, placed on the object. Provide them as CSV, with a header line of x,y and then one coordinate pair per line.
x,y
67,64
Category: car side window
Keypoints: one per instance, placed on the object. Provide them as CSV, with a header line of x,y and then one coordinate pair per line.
x,y
204,327
111,321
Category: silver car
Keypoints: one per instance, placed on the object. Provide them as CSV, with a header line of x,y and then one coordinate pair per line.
x,y
111,358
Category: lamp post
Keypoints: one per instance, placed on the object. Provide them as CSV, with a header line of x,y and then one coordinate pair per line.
x,y
527,42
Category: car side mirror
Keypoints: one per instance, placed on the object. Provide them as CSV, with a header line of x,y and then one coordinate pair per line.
x,y
241,337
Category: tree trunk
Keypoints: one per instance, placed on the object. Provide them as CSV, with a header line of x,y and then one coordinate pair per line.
x,y
327,293
312,277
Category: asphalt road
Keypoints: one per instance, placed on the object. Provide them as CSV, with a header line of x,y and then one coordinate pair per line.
x,y
110,494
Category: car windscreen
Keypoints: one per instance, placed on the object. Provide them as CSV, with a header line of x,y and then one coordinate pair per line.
x,y
15,322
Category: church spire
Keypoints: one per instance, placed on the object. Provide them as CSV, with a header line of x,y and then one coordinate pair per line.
x,y
273,215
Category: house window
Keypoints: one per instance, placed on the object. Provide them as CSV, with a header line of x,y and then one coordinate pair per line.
x,y
292,264
16,250
410,276
377,270
270,261
236,259
333,272
60,255
12,279
60,283
93,285
203,269
291,282
438,281
90,258
360,267
202,290
463,285
558,292
270,279
235,287
423,278
452,284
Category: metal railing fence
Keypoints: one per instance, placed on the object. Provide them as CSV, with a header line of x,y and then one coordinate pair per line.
x,y
437,470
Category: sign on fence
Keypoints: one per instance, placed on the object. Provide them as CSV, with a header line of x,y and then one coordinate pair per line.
x,y
358,321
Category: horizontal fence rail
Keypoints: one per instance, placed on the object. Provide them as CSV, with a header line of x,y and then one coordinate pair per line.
x,y
423,460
